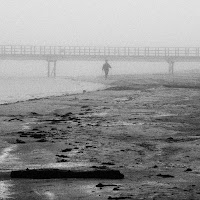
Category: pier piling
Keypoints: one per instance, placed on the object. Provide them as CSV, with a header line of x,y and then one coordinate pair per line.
x,y
51,72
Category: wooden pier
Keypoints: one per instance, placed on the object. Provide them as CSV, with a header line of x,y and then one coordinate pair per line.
x,y
52,54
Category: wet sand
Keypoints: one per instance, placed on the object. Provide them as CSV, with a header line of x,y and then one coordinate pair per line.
x,y
145,126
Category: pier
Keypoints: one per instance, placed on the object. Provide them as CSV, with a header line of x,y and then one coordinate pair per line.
x,y
52,54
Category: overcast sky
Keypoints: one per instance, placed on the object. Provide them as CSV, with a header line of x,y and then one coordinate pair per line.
x,y
100,22
97,23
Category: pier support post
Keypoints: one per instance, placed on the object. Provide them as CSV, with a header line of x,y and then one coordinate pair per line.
x,y
171,67
54,69
48,69
51,72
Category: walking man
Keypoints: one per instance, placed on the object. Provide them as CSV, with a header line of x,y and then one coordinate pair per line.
x,y
105,68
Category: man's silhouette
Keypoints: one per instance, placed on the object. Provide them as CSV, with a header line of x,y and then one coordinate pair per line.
x,y
105,68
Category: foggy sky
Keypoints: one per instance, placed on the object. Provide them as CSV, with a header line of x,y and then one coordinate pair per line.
x,y
100,22
97,23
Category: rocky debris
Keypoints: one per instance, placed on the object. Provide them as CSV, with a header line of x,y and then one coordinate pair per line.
x,y
37,135
61,173
99,167
116,188
119,88
107,163
88,146
42,140
116,198
100,185
155,166
84,106
34,114
188,170
61,160
15,119
66,150
56,121
23,135
20,141
62,156
171,139
165,175
67,114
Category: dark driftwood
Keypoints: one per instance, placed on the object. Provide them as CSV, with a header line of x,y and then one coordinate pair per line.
x,y
60,173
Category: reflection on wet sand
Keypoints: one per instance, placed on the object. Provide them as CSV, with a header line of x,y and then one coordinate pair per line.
x,y
5,154
50,195
5,189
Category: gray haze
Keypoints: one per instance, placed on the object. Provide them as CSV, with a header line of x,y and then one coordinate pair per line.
x,y
101,23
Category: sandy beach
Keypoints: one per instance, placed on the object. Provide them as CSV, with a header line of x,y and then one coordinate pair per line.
x,y
145,126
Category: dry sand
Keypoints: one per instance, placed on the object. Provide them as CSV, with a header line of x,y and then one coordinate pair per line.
x,y
148,131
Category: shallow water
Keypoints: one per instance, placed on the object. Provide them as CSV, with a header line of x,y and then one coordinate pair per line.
x,y
20,89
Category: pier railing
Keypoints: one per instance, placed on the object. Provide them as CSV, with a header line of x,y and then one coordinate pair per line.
x,y
18,50
54,53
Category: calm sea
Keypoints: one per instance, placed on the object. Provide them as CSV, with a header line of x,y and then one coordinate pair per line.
x,y
14,89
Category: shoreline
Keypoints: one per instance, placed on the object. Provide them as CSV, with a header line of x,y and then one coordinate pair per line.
x,y
79,87
149,133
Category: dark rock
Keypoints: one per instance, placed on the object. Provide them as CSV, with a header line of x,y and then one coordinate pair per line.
x,y
13,119
108,163
60,173
56,121
99,185
66,150
155,166
35,129
23,135
34,114
21,132
105,185
116,198
62,160
171,139
165,175
115,189
84,106
67,114
88,146
42,140
188,170
36,135
99,167
20,141
62,156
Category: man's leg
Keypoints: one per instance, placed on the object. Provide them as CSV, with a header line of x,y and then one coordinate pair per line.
x,y
106,74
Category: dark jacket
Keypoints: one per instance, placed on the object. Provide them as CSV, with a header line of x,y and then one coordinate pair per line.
x,y
106,67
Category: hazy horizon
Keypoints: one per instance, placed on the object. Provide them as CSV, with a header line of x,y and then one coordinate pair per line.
x,y
98,23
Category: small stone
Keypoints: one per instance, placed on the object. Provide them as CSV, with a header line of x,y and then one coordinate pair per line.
x,y
155,166
62,160
20,141
165,175
108,163
99,185
66,150
188,170
42,140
